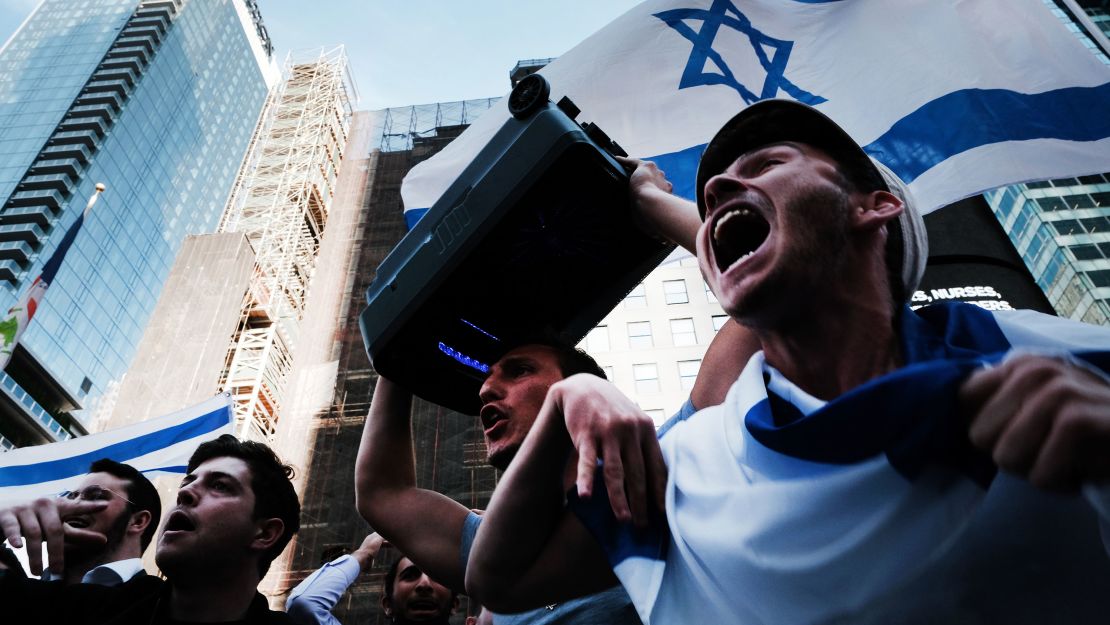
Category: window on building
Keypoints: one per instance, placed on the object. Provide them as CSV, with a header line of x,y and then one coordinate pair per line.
x,y
719,321
1101,198
637,297
687,373
1085,252
646,377
1067,226
674,292
657,415
1093,179
598,340
1095,224
1017,230
709,296
682,332
1049,204
1100,277
1078,200
639,334
1040,184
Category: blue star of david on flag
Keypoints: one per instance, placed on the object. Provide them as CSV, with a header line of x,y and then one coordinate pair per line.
x,y
772,53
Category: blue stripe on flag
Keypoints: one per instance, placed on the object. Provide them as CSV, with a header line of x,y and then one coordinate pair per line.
x,y
924,138
122,451
928,136
50,269
413,215
177,468
681,168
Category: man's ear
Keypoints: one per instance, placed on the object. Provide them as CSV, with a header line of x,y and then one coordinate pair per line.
x,y
877,209
139,522
387,606
268,534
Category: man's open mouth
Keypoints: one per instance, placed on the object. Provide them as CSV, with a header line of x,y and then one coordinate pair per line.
x,y
490,416
423,605
737,234
179,522
78,522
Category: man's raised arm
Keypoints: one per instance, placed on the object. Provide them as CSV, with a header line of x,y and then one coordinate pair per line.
x,y
657,210
423,524
530,550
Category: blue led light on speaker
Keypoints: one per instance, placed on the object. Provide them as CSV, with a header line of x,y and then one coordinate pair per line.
x,y
463,358
479,329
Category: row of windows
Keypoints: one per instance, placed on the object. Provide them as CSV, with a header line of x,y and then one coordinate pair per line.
x,y
645,376
1090,251
1074,201
674,292
1092,225
640,334
1069,182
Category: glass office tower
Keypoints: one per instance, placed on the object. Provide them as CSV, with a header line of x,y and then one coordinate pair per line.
x,y
157,99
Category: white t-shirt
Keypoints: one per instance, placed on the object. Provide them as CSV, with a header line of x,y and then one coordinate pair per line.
x,y
782,508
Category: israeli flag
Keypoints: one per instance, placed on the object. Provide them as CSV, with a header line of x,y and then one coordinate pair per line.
x,y
157,446
955,97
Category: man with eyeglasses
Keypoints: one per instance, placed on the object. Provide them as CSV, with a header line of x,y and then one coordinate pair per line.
x,y
95,533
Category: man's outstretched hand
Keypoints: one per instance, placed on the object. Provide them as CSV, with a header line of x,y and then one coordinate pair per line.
x,y
42,520
1042,418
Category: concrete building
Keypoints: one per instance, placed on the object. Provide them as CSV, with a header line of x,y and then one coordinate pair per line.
x,y
652,343
156,99
332,380
273,225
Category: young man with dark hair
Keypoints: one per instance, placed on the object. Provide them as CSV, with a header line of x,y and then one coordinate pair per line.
x,y
236,509
410,596
270,483
854,450
95,533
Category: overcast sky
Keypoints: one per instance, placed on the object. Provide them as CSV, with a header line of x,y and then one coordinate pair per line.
x,y
419,51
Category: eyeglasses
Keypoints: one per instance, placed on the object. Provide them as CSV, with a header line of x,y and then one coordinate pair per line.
x,y
92,493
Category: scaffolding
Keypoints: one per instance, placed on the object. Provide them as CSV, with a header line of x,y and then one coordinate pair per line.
x,y
449,448
280,201
398,128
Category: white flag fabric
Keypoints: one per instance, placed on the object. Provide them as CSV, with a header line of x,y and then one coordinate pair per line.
x,y
156,446
955,97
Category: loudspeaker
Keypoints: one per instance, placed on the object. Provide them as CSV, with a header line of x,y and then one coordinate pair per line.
x,y
535,236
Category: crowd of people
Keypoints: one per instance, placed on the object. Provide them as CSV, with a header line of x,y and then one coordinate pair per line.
x,y
829,459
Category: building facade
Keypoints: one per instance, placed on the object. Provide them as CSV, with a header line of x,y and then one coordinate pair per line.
x,y
1061,228
157,99
652,343
333,380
